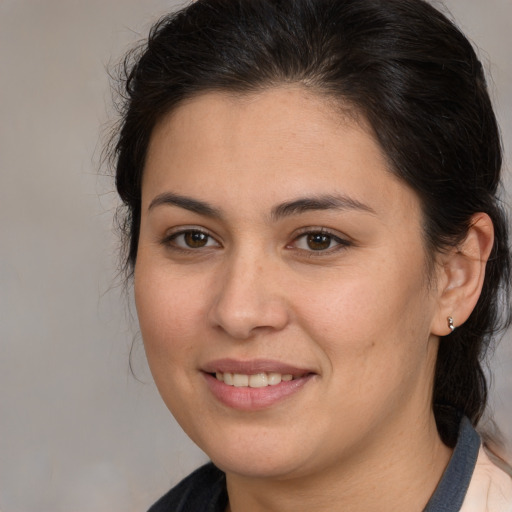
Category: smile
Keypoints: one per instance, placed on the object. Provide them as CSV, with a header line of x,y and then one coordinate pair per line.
x,y
258,380
256,384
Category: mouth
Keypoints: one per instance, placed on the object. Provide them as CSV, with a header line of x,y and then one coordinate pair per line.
x,y
255,384
255,380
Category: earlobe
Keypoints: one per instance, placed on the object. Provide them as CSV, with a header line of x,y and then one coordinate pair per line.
x,y
461,275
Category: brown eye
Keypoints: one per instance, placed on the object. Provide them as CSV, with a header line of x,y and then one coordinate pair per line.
x,y
190,239
195,239
318,241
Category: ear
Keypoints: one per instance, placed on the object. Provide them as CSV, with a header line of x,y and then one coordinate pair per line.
x,y
461,273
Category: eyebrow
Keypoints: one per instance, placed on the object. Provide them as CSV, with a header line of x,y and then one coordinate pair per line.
x,y
187,203
326,202
287,209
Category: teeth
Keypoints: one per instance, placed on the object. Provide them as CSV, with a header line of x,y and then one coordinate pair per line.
x,y
240,381
258,380
274,378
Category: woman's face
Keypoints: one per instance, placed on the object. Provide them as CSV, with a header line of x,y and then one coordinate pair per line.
x,y
276,245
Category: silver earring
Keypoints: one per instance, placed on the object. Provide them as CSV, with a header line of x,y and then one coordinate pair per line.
x,y
451,324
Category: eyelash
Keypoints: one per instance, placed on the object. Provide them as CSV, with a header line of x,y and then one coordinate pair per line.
x,y
170,240
340,243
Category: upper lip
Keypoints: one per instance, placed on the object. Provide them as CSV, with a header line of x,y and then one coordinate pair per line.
x,y
253,366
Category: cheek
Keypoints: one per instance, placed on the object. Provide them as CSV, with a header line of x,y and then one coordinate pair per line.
x,y
373,340
169,315
371,325
170,327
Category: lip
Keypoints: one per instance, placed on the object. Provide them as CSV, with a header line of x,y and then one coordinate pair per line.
x,y
253,366
254,399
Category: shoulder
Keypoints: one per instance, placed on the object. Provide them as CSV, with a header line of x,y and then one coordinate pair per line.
x,y
490,489
203,490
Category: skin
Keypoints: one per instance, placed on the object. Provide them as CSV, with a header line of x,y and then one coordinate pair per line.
x,y
362,313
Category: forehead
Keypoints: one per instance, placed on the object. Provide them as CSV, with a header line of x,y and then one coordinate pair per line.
x,y
281,113
280,141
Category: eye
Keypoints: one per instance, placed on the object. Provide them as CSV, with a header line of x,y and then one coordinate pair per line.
x,y
318,241
191,239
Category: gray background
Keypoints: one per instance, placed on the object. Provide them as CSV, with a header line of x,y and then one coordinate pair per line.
x,y
77,432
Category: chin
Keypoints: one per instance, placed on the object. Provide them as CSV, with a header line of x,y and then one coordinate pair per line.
x,y
259,466
259,452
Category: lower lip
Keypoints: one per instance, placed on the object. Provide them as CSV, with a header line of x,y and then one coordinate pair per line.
x,y
251,399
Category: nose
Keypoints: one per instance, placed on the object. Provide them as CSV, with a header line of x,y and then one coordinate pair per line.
x,y
249,298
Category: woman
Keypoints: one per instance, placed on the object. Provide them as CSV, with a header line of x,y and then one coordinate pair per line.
x,y
318,252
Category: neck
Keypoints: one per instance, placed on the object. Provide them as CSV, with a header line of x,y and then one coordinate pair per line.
x,y
400,465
